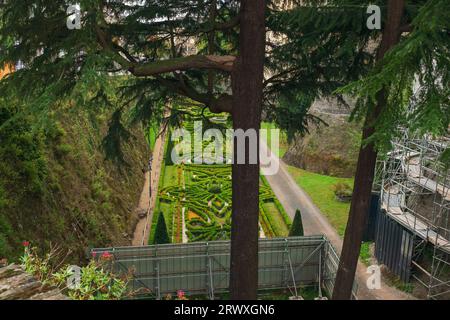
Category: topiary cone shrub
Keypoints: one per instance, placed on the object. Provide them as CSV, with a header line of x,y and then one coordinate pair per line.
x,y
297,225
161,236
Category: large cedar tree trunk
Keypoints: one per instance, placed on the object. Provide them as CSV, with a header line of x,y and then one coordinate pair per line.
x,y
365,171
247,87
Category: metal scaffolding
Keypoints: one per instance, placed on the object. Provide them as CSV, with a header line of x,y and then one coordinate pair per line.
x,y
415,192
202,268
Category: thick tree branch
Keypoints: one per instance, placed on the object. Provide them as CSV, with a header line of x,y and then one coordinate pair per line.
x,y
208,62
223,103
219,104
223,63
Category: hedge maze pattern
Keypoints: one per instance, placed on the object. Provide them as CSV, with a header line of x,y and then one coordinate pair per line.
x,y
204,191
200,198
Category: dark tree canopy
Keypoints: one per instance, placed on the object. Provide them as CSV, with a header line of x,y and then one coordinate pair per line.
x,y
160,51
178,49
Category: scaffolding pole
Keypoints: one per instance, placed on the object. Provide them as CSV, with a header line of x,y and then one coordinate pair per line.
x,y
415,192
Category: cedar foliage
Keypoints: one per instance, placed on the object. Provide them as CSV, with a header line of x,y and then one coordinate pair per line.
x,y
326,45
308,63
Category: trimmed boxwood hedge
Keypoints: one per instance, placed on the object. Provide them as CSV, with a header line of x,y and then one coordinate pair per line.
x,y
207,193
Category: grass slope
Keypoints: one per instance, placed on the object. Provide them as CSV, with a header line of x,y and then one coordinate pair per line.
x,y
56,186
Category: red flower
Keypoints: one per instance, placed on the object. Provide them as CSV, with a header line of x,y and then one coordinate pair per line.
x,y
180,294
26,243
94,254
106,255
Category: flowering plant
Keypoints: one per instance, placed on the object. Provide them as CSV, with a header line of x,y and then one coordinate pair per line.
x,y
95,281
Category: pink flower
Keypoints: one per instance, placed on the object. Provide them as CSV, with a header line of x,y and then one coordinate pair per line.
x,y
180,294
26,243
106,255
94,254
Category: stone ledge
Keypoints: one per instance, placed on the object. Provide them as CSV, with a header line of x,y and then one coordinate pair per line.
x,y
16,284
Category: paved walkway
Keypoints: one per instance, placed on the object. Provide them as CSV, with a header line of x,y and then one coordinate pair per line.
x,y
292,197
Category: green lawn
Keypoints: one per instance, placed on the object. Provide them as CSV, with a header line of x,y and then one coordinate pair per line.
x,y
151,136
283,143
365,254
170,176
320,189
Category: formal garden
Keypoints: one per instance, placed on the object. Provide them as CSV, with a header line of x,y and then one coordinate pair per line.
x,y
195,199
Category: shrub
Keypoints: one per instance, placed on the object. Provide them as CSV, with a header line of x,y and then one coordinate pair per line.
x,y
161,235
215,189
267,227
343,191
96,280
100,188
286,218
41,268
63,150
297,225
169,145
55,132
